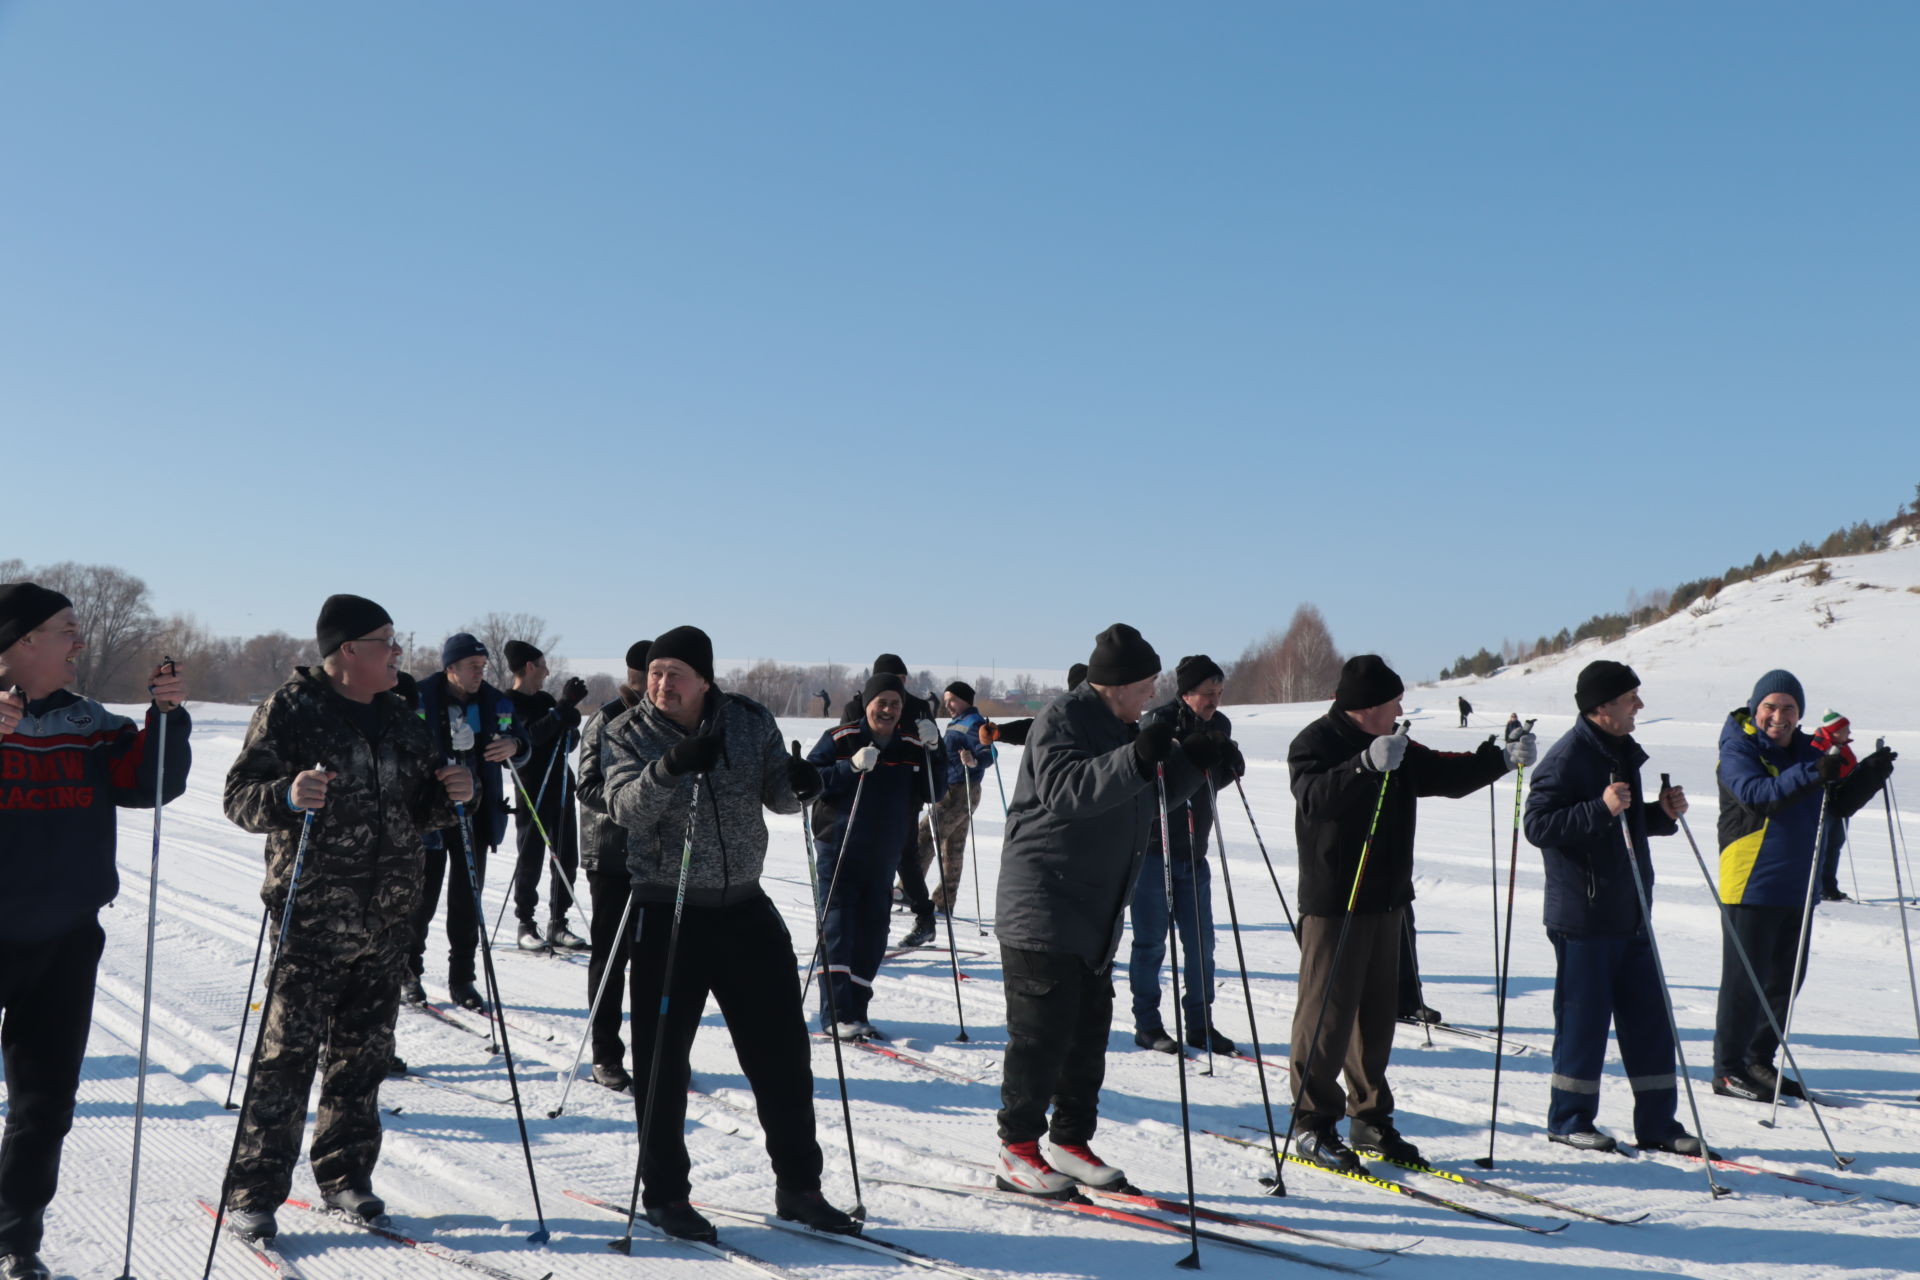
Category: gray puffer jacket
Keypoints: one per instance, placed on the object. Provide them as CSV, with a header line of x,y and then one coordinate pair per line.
x,y
1077,829
729,832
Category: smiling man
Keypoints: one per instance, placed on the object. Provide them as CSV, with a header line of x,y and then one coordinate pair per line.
x,y
1772,775
66,763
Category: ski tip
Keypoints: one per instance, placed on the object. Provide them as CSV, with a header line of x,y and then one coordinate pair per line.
x,y
540,1237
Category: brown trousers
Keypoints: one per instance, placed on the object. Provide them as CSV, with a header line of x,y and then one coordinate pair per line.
x,y
1356,1035
952,820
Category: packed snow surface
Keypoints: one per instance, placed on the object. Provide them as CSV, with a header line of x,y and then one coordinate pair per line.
x,y
452,1168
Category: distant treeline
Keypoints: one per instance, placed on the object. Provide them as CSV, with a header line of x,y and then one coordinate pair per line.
x,y
1696,594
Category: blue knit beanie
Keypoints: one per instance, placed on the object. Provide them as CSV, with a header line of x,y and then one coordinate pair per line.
x,y
1777,681
460,645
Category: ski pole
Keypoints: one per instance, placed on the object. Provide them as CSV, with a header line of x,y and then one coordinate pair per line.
x,y
973,855
625,1243
593,1011
1246,981
833,882
246,1009
1005,813
1753,976
1200,940
499,1013
266,1008
1505,956
1666,1000
1894,805
1900,895
507,889
859,1209
1806,939
1493,844
1284,909
1192,1261
146,988
948,892
553,852
1412,954
1303,1079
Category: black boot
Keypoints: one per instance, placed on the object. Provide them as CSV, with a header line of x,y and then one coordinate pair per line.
x,y
611,1075
23,1266
810,1209
357,1202
462,992
1323,1147
678,1218
530,939
1380,1138
921,934
1156,1039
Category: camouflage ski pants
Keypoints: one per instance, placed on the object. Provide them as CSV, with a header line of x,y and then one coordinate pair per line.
x,y
951,820
335,999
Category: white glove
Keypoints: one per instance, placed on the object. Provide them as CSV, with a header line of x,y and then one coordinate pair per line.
x,y
459,732
1523,751
929,733
866,758
1385,752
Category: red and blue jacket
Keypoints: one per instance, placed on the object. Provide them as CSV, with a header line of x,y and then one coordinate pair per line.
x,y
63,771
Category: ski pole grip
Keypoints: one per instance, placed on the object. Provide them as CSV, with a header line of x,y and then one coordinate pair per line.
x,y
1666,782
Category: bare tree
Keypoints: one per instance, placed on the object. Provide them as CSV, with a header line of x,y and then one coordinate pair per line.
x,y
495,629
116,622
1299,665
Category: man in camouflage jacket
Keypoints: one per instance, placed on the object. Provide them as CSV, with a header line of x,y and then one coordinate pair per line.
x,y
333,742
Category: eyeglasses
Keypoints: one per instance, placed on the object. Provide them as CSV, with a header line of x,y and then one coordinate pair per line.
x,y
385,644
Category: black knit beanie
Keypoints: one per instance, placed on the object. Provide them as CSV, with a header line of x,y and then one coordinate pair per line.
x,y
961,690
1366,681
883,682
637,654
344,618
1076,673
687,644
1121,656
23,607
1601,682
460,646
520,653
890,663
1195,670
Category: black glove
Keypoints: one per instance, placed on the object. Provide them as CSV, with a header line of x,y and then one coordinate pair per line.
x,y
697,754
802,777
1830,766
1153,746
1236,763
1880,761
573,692
1205,747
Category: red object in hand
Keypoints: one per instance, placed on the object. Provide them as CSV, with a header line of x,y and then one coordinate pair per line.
x,y
1824,739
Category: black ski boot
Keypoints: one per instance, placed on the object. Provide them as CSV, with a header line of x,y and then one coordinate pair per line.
x,y
811,1209
1585,1140
1324,1148
411,991
611,1075
678,1218
1380,1138
1765,1075
1197,1036
23,1266
254,1224
530,939
463,993
1156,1039
920,935
559,935
396,1065
357,1202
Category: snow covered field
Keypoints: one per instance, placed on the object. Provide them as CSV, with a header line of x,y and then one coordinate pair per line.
x,y
452,1168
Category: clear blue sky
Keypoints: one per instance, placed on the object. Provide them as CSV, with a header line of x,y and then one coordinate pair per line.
x,y
954,330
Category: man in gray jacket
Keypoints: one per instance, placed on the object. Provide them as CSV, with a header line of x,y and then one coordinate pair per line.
x,y
1076,832
688,772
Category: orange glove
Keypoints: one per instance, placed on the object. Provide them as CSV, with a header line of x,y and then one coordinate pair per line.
x,y
989,732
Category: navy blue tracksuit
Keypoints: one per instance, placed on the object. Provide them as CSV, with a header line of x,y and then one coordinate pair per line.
x,y
1604,965
860,901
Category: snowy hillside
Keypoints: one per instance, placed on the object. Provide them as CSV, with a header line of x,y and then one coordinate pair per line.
x,y
1852,640
452,1170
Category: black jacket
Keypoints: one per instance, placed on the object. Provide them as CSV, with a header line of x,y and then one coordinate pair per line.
x,y
1590,888
549,727
1194,815
1334,797
603,842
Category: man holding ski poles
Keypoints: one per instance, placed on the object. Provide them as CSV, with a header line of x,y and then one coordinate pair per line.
x,y
333,743
969,756
545,831
1605,968
66,763
1355,786
1785,796
689,772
